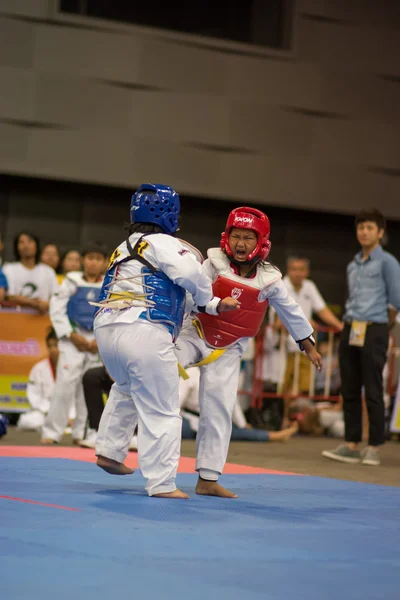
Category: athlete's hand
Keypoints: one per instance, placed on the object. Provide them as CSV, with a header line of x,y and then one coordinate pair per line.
x,y
80,342
314,357
228,303
93,347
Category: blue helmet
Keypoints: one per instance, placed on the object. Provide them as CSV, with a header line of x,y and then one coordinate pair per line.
x,y
157,204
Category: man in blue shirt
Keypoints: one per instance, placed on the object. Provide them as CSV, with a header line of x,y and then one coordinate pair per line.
x,y
373,279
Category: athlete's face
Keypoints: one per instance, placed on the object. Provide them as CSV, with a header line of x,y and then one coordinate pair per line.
x,y
242,242
93,264
26,246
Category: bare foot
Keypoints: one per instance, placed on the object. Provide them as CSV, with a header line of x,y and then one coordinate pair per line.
x,y
176,494
47,442
212,488
112,466
76,442
285,434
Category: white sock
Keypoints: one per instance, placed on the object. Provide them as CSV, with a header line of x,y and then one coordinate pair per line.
x,y
208,474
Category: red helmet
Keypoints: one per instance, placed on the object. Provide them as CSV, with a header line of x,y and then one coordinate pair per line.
x,y
249,218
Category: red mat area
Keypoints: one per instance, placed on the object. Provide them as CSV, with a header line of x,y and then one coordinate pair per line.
x,y
186,465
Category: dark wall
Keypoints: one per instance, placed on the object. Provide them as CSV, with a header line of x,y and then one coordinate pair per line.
x,y
70,214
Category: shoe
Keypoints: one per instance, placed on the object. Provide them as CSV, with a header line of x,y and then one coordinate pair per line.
x,y
343,454
370,457
133,444
90,439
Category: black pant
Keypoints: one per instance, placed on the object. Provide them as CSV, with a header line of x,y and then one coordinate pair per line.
x,y
363,367
96,382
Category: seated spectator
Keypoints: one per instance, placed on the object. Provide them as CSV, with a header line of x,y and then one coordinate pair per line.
x,y
3,286
96,385
241,430
40,387
30,283
50,256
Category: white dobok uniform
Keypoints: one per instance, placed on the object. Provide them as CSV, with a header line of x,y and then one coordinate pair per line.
x,y
136,344
39,393
219,379
70,312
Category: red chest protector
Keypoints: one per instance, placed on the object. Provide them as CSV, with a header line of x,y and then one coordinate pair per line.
x,y
227,328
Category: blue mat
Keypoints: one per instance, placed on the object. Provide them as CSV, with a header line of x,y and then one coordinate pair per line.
x,y
305,537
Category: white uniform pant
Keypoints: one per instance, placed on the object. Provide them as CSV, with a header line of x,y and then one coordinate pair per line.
x,y
333,422
140,358
219,382
31,420
71,367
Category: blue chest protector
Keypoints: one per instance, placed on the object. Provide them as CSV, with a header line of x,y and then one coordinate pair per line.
x,y
168,297
79,311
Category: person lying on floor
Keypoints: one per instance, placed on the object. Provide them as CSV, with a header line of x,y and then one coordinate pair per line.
x,y
324,418
241,430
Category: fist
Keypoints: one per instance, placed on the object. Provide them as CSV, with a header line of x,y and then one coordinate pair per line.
x,y
228,303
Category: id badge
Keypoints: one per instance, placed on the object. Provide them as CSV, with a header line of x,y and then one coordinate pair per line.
x,y
357,333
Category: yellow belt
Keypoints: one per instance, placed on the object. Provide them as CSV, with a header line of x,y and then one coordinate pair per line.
x,y
215,354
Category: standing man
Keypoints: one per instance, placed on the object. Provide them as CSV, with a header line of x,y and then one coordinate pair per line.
x,y
373,278
306,293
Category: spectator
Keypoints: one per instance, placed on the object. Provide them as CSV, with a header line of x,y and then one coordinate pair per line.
x,y
321,419
40,386
306,293
3,285
50,256
30,283
373,278
71,261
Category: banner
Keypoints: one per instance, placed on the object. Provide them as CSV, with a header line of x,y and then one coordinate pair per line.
x,y
395,421
22,344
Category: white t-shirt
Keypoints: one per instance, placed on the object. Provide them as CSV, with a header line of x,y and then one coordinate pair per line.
x,y
309,299
39,282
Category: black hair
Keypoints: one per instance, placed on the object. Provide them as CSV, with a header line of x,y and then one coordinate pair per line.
x,y
143,228
297,258
51,336
373,215
94,247
34,238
